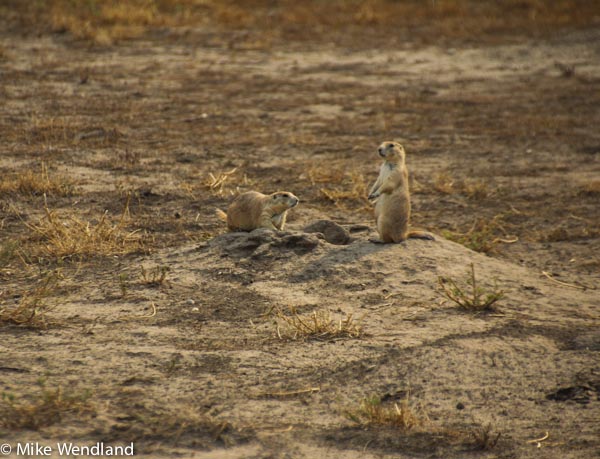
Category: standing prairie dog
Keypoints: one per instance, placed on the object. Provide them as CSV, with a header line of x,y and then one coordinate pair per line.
x,y
252,210
392,210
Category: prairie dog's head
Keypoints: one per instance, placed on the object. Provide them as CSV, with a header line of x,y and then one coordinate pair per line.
x,y
392,152
283,200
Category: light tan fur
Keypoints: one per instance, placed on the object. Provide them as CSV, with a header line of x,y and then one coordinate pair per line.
x,y
252,210
392,209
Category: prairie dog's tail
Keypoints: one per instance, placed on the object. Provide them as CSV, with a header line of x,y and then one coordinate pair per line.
x,y
420,235
222,215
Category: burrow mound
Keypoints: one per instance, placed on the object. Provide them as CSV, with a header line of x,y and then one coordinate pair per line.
x,y
263,242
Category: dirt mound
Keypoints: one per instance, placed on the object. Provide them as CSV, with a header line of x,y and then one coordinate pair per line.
x,y
264,243
415,339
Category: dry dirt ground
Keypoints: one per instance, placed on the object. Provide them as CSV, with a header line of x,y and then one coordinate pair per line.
x,y
128,314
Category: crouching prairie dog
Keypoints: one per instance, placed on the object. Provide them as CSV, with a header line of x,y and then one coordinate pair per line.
x,y
252,210
392,209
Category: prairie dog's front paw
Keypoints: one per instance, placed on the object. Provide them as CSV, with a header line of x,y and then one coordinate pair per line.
x,y
374,195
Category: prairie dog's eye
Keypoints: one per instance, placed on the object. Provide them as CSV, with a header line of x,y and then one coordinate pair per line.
x,y
285,195
390,145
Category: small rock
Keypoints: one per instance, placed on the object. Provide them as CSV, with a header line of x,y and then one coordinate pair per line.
x,y
331,231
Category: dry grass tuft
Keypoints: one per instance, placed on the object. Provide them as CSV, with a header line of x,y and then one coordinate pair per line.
x,y
351,188
407,417
216,184
48,132
472,189
127,159
69,236
222,183
31,310
47,408
320,325
183,427
444,183
473,298
483,236
34,183
156,276
373,413
484,437
475,189
8,252
317,174
105,22
108,21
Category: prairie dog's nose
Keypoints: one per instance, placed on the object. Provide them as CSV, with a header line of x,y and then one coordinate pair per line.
x,y
380,150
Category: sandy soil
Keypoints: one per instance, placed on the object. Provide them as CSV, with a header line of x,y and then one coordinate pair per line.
x,y
503,146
